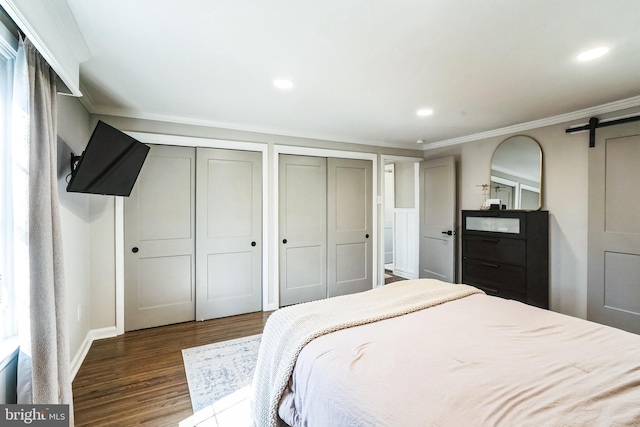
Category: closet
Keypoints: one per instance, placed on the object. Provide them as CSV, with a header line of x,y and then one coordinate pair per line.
x,y
325,227
193,236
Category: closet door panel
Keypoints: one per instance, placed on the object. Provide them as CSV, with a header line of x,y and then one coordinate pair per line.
x,y
349,218
229,233
302,229
159,240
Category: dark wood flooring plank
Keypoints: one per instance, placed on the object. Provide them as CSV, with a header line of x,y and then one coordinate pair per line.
x,y
138,379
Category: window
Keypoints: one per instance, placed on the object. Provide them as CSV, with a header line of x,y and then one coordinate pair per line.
x,y
11,180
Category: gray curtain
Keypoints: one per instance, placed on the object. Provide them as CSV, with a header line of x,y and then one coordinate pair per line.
x,y
50,363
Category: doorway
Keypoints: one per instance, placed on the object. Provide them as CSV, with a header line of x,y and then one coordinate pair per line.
x,y
389,206
401,215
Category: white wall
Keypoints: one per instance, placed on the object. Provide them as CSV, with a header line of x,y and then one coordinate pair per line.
x,y
565,196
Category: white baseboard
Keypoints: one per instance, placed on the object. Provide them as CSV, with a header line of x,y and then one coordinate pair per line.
x,y
270,307
92,335
404,274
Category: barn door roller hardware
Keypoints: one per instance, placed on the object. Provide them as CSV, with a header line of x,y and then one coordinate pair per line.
x,y
594,123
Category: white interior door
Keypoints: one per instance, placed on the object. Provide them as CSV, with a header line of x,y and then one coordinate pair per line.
x,y
159,240
229,233
302,229
438,219
349,226
613,292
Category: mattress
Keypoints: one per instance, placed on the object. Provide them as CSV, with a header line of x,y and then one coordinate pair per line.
x,y
473,361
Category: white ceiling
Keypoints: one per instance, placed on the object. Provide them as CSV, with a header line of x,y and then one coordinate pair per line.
x,y
361,67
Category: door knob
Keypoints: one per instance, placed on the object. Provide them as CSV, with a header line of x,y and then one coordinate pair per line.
x,y
253,243
134,250
284,241
367,236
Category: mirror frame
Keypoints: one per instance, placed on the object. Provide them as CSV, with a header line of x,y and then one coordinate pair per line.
x,y
519,185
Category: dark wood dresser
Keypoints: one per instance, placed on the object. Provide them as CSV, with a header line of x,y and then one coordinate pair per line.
x,y
506,254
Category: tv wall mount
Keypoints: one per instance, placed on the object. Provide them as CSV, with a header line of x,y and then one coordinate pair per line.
x,y
73,162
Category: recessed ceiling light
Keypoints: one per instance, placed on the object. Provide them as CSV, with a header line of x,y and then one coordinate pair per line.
x,y
420,141
283,83
592,54
423,112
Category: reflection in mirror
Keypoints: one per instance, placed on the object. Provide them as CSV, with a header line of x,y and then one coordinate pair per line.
x,y
516,173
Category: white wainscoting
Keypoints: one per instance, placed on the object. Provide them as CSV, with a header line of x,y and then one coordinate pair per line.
x,y
406,243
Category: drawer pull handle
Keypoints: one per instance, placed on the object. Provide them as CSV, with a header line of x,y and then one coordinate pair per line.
x,y
488,264
493,291
491,240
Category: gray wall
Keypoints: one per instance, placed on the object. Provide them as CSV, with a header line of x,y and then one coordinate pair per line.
x,y
88,221
73,133
405,185
565,196
102,229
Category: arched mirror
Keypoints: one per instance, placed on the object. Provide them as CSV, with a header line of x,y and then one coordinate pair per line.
x,y
516,173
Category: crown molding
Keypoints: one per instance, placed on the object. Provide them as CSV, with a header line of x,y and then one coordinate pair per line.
x,y
67,26
549,121
86,99
134,114
632,102
52,20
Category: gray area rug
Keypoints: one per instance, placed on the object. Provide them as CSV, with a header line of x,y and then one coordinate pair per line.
x,y
217,370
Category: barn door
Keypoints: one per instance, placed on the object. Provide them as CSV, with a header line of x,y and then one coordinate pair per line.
x,y
613,292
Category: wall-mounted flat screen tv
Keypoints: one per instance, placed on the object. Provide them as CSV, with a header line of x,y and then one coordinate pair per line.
x,y
109,165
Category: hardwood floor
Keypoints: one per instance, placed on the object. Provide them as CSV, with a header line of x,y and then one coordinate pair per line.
x,y
138,378
392,278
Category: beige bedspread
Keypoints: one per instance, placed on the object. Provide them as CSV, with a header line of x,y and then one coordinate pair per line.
x,y
475,361
288,330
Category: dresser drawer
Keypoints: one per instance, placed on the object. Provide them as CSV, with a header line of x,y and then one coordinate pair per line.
x,y
502,293
506,251
495,275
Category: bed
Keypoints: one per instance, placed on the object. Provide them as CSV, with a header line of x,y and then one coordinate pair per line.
x,y
427,353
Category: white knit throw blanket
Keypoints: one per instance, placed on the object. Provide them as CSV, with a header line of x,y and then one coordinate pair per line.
x,y
288,330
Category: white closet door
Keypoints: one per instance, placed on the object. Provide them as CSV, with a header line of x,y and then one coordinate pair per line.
x,y
229,233
159,240
349,237
302,229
